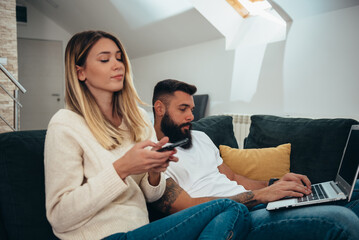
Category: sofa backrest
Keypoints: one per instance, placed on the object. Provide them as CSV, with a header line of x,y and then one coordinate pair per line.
x,y
317,144
22,190
219,128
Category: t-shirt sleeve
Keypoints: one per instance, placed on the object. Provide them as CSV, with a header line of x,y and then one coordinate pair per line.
x,y
215,150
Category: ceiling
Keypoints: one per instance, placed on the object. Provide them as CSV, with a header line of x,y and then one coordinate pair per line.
x,y
144,31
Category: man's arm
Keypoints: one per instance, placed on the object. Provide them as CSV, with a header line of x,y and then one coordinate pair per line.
x,y
250,184
176,199
241,180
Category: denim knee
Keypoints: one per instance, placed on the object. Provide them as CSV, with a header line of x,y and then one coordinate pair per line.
x,y
239,207
319,222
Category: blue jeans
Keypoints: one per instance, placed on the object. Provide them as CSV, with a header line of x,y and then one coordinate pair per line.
x,y
218,219
330,221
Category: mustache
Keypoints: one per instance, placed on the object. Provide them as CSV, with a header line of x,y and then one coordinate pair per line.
x,y
185,124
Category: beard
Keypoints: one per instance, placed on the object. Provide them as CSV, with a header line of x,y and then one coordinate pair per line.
x,y
174,132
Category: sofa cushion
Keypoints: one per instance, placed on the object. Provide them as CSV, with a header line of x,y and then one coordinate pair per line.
x,y
317,144
219,128
22,190
258,164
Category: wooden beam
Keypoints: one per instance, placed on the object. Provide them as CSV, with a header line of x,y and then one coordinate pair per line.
x,y
239,8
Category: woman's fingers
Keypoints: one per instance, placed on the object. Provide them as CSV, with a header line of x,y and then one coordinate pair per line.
x,y
160,143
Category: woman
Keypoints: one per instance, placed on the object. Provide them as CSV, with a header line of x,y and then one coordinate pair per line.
x,y
100,163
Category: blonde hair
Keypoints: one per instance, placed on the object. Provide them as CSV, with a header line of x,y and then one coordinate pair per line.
x,y
80,100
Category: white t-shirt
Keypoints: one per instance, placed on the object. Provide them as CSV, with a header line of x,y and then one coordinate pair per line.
x,y
196,170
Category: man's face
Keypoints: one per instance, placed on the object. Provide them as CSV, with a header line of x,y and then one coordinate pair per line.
x,y
176,122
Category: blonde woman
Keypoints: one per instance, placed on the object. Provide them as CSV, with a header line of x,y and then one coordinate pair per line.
x,y
100,160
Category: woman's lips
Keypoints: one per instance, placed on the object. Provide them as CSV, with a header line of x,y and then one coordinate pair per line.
x,y
118,77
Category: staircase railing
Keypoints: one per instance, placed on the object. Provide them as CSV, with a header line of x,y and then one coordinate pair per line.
x,y
14,98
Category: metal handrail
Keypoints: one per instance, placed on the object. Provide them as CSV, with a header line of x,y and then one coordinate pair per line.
x,y
13,80
7,123
17,103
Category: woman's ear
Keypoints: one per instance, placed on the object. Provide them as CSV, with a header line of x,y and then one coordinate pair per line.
x,y
80,73
160,108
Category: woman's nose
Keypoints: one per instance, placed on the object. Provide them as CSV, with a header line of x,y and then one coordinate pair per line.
x,y
118,64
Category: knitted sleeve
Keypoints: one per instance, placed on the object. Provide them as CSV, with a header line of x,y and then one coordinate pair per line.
x,y
152,193
72,200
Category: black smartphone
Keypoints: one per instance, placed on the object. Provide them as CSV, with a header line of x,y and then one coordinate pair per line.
x,y
173,145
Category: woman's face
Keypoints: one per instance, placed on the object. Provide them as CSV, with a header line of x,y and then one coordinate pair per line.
x,y
104,70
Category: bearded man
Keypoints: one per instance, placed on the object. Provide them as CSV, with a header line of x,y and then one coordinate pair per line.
x,y
201,176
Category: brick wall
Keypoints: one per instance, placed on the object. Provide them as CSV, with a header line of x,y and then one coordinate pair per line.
x,y
8,49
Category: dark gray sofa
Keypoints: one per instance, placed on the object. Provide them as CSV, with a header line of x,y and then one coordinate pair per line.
x,y
22,198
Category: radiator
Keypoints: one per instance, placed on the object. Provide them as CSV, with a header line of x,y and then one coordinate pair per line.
x,y
241,124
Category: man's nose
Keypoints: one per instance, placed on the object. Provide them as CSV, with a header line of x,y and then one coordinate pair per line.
x,y
190,117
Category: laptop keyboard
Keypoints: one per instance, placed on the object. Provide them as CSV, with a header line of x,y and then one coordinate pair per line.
x,y
317,193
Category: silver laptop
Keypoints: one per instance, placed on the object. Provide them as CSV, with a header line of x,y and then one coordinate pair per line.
x,y
341,188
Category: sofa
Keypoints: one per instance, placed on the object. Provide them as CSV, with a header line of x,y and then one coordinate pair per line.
x,y
315,142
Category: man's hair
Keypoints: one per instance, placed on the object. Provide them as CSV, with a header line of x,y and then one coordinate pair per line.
x,y
166,88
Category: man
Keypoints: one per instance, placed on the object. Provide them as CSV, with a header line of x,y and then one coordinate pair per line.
x,y
200,176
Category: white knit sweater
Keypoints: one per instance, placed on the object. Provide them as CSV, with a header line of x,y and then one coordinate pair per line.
x,y
85,197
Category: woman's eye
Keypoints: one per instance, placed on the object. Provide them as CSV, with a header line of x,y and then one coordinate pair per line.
x,y
104,60
119,59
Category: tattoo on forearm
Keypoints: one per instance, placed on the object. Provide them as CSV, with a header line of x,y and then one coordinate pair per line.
x,y
164,204
246,198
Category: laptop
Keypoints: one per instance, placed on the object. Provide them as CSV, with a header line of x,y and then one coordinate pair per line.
x,y
340,189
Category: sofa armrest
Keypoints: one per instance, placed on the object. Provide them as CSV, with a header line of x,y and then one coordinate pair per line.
x,y
22,188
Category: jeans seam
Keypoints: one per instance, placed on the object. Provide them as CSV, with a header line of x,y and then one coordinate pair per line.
x,y
353,204
230,233
187,219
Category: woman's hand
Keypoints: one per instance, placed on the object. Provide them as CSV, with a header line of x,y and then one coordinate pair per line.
x,y
155,173
139,160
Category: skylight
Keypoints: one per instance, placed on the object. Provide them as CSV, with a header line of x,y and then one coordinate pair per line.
x,y
139,13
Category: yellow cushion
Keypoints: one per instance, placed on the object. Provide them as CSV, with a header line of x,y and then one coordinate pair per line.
x,y
258,164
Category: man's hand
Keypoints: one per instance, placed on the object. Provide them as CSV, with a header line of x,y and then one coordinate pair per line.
x,y
298,178
301,179
282,188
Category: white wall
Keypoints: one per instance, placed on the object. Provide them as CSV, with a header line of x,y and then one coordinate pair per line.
x,y
314,73
40,27
206,65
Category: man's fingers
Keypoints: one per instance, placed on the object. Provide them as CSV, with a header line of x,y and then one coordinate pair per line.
x,y
306,181
298,178
294,194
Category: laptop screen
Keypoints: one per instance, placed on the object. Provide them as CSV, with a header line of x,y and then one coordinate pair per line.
x,y
350,160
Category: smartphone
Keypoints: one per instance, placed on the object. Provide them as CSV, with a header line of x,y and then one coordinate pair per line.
x,y
173,145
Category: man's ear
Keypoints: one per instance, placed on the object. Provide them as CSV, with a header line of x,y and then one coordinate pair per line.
x,y
160,108
80,73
